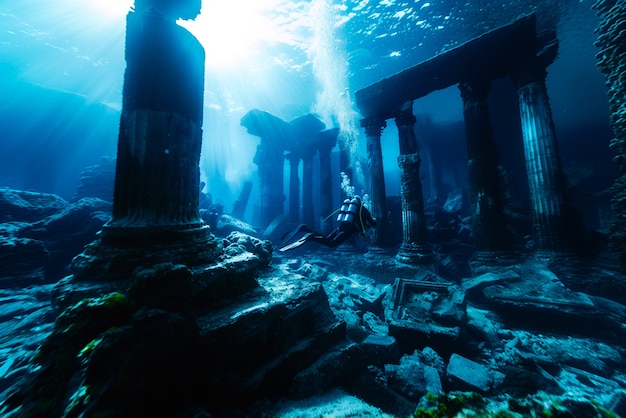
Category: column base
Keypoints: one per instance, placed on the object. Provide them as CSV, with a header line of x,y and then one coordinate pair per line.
x,y
374,249
550,256
493,258
414,254
120,250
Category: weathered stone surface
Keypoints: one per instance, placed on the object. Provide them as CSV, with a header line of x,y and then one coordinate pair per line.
x,y
227,224
97,181
618,403
541,301
65,233
473,286
411,378
26,320
26,206
427,312
22,261
380,349
465,374
279,227
289,323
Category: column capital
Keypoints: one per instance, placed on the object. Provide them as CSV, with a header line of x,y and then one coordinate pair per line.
x,y
327,140
373,126
405,117
474,90
534,70
293,157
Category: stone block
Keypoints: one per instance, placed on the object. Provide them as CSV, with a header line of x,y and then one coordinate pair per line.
x,y
465,374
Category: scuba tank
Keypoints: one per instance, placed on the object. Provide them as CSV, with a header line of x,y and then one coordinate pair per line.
x,y
349,210
343,211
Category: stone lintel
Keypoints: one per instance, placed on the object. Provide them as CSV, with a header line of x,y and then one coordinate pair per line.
x,y
270,128
488,56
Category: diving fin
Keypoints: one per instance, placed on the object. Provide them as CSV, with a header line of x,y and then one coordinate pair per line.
x,y
297,243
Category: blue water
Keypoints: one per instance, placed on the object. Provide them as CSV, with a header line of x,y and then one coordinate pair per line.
x,y
61,70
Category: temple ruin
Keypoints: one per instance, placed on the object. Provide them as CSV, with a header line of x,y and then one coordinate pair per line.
x,y
299,140
515,50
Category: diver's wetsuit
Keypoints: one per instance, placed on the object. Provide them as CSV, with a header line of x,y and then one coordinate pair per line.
x,y
353,220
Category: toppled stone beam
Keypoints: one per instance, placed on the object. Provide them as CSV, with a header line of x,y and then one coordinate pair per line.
x,y
488,56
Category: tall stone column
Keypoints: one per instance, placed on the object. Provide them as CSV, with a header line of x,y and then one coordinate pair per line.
x,y
543,165
270,161
378,195
294,187
491,237
308,214
414,248
327,141
157,182
434,177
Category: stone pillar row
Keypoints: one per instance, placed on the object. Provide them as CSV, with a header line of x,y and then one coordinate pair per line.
x,y
492,239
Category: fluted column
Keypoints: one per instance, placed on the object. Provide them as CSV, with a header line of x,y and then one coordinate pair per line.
x,y
491,237
414,248
378,196
327,142
157,181
294,187
308,214
545,176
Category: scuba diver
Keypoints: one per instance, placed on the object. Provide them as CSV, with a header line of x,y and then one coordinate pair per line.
x,y
353,218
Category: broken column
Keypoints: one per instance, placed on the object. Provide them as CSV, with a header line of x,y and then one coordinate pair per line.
x,y
378,196
327,141
414,248
276,135
157,183
491,237
308,215
294,187
545,176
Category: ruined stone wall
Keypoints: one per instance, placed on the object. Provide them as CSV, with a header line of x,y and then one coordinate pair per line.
x,y
612,63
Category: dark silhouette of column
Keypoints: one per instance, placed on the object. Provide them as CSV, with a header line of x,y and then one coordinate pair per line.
x,y
434,177
491,237
543,164
327,141
308,213
414,248
294,187
378,196
270,161
157,183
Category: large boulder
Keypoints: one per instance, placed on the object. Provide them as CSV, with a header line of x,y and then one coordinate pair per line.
x,y
65,233
22,261
27,206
